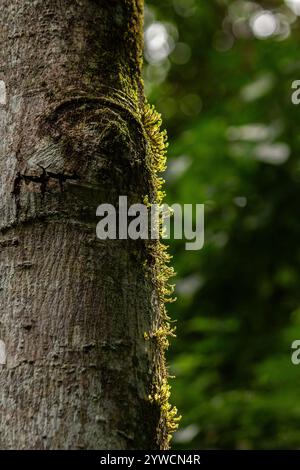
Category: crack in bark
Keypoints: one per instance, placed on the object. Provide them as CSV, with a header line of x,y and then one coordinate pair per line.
x,y
9,242
43,180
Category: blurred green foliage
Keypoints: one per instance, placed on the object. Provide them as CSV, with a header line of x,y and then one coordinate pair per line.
x,y
221,72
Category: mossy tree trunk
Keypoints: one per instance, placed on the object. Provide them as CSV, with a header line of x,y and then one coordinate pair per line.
x,y
81,364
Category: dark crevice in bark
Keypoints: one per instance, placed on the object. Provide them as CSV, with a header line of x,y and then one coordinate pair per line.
x,y
9,242
46,176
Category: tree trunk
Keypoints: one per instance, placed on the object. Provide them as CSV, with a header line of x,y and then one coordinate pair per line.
x,y
81,320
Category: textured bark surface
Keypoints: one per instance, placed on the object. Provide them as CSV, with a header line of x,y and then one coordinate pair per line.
x,y
75,369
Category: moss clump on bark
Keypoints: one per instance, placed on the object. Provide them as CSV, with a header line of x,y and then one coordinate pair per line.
x,y
162,272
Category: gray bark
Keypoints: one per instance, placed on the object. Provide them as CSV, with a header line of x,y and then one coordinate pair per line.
x,y
75,369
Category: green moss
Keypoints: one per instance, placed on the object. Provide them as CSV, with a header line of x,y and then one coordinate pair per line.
x,y
161,272
170,414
